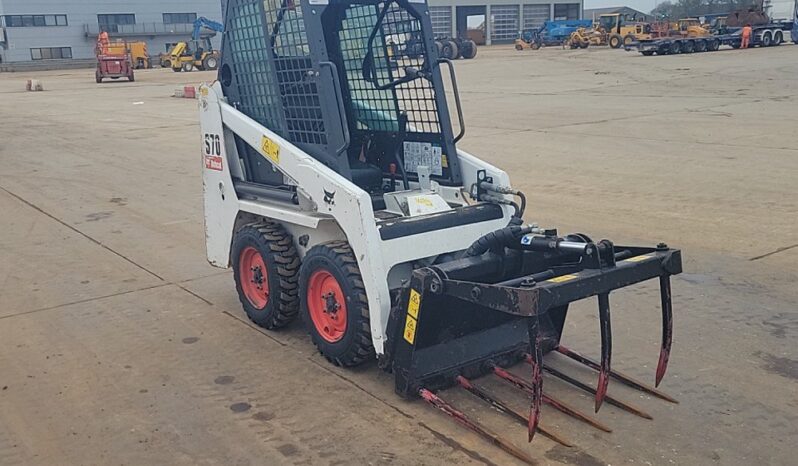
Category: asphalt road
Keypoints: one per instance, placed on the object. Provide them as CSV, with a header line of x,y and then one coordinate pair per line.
x,y
120,344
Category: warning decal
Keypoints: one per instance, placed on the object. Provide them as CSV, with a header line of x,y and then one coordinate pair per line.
x,y
423,153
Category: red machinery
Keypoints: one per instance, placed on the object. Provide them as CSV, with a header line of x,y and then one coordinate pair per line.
x,y
109,65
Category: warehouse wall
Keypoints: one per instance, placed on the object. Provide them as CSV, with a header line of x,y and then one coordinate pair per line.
x,y
83,14
506,17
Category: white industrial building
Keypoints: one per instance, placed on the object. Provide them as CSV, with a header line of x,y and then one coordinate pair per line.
x,y
52,30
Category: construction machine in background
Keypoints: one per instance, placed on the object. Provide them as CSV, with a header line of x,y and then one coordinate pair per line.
x,y
621,31
555,32
139,55
198,53
335,189
113,60
582,38
688,37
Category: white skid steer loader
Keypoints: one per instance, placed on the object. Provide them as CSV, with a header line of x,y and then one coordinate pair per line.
x,y
334,189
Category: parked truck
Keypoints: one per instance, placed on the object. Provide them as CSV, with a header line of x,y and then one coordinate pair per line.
x,y
765,33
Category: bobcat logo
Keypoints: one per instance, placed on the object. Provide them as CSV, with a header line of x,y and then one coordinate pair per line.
x,y
329,197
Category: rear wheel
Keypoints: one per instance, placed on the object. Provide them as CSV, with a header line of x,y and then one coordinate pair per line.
x,y
628,39
714,45
616,41
439,48
675,48
767,39
701,46
187,66
648,53
265,269
178,69
688,47
584,45
778,38
210,63
131,78
334,304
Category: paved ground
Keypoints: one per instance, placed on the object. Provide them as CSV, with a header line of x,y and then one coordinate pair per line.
x,y
119,344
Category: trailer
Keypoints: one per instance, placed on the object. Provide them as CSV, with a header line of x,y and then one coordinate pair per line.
x,y
763,36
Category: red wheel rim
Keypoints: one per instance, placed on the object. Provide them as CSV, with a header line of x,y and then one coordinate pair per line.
x,y
254,277
327,305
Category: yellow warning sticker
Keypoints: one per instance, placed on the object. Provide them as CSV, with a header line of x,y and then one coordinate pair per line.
x,y
639,258
562,278
444,161
414,303
410,329
270,149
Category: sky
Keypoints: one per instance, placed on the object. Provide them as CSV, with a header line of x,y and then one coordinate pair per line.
x,y
642,5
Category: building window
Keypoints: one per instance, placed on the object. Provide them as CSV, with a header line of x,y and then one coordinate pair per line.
x,y
111,23
51,53
179,18
15,21
566,11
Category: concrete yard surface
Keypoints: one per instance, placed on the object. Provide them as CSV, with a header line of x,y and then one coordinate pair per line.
x,y
119,344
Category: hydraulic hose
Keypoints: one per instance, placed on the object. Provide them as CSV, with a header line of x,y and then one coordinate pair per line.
x,y
507,237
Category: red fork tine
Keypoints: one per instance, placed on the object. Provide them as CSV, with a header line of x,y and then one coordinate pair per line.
x,y
460,417
620,377
559,405
536,361
667,327
499,405
606,348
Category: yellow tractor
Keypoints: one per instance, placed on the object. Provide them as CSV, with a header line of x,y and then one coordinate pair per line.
x,y
187,56
621,31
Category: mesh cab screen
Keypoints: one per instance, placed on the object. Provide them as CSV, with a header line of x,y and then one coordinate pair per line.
x,y
273,70
396,46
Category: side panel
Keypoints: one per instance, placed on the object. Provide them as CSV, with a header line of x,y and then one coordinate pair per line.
x,y
220,201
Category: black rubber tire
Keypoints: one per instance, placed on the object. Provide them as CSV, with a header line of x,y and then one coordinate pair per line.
x,y
714,45
187,66
700,46
355,346
439,48
778,38
177,70
767,39
131,78
615,41
211,62
447,51
469,49
456,52
519,47
276,247
675,48
688,47
648,53
584,45
628,39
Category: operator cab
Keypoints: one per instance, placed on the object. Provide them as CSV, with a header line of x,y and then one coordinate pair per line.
x,y
355,84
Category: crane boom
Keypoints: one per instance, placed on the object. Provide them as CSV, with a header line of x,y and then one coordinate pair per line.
x,y
206,23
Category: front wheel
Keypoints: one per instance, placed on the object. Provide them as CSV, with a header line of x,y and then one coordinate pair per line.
x,y
265,270
187,66
334,305
628,39
615,41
